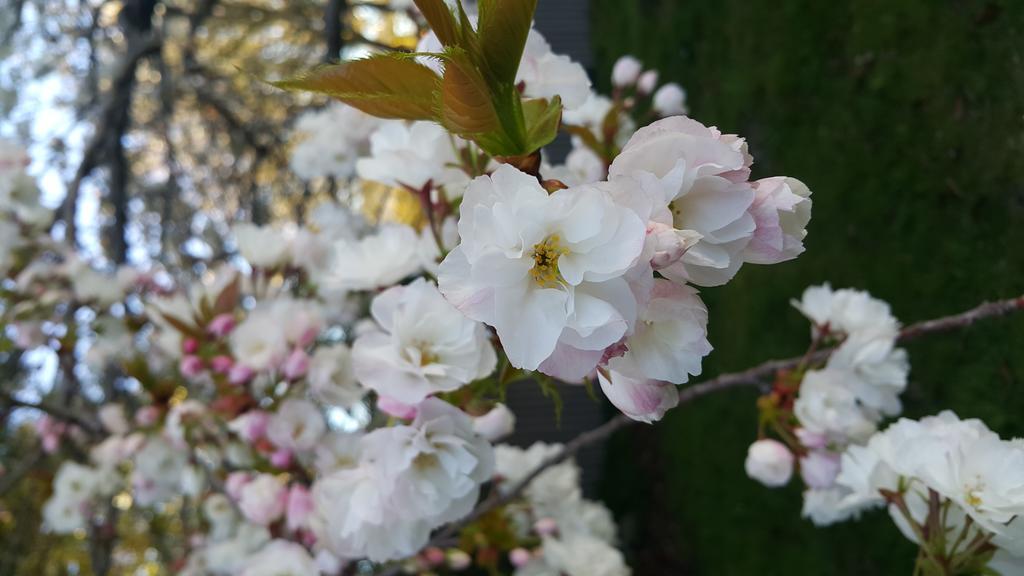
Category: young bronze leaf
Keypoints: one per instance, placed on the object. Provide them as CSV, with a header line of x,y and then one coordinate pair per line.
x,y
441,21
385,85
466,102
504,26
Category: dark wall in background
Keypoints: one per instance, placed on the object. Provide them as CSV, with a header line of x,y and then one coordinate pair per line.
x,y
906,119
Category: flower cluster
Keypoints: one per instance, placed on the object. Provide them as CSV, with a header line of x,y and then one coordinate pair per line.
x,y
825,406
952,486
569,534
595,276
329,393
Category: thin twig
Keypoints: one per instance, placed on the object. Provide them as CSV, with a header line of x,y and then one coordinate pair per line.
x,y
749,377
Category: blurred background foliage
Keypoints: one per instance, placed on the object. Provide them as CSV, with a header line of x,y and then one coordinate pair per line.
x,y
152,131
906,119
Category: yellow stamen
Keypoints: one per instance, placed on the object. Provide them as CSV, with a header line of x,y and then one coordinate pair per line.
x,y
545,262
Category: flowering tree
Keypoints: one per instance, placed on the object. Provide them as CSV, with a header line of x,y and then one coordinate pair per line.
x,y
329,398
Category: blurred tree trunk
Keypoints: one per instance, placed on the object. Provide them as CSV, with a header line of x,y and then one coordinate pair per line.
x,y
333,14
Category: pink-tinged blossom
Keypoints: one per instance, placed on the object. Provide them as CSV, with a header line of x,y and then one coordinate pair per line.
x,y
392,407
235,482
250,426
781,211
147,416
281,459
263,499
705,173
819,468
670,340
519,557
434,556
635,395
811,440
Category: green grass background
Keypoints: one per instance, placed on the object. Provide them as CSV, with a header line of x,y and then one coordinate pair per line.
x,y
906,119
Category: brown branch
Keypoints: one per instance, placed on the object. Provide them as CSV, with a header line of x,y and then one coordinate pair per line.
x,y
750,377
333,13
58,412
105,127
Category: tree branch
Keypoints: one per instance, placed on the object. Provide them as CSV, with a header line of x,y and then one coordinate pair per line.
x,y
58,412
106,122
750,377
333,13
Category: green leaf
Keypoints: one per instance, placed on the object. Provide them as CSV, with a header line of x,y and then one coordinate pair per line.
x,y
384,85
549,390
466,105
587,137
469,40
542,121
504,26
441,21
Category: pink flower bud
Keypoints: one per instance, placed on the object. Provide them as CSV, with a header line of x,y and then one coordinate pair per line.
x,y
50,442
434,556
626,71
519,557
281,459
250,426
240,374
221,325
545,526
191,366
669,244
393,407
234,483
147,416
648,82
222,364
296,365
190,346
308,336
300,506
